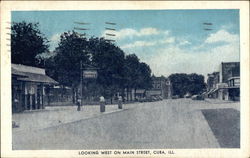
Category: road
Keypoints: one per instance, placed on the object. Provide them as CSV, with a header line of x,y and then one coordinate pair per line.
x,y
179,123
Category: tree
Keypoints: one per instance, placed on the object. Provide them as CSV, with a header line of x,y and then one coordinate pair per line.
x,y
65,65
110,62
144,80
179,83
131,73
137,74
196,83
26,43
187,83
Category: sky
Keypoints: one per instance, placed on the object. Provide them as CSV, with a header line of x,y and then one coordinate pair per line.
x,y
169,41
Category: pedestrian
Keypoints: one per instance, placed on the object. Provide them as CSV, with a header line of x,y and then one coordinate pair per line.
x,y
102,104
119,102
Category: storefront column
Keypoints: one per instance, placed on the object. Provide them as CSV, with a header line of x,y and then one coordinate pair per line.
x,y
25,96
35,95
30,101
42,95
226,94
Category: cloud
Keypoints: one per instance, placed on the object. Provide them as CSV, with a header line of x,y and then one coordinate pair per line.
x,y
202,59
167,40
174,59
148,31
227,26
54,40
184,42
138,44
55,37
222,36
128,32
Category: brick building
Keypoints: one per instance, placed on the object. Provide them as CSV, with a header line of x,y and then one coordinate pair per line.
x,y
161,87
225,84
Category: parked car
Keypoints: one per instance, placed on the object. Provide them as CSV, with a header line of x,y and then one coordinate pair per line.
x,y
142,99
175,97
197,97
188,95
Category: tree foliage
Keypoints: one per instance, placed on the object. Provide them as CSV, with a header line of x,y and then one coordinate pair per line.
x,y
109,59
26,43
65,65
187,83
116,71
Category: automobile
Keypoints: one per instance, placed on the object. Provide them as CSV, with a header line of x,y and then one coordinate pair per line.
x,y
175,97
160,98
188,95
150,99
142,100
197,97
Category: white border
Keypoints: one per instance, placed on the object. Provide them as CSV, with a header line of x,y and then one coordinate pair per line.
x,y
8,6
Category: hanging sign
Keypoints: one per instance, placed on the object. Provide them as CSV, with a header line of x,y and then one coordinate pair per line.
x,y
89,74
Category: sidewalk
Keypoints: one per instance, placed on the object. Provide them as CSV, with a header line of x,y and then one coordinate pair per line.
x,y
218,101
57,115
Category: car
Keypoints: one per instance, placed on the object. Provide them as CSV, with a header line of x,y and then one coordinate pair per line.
x,y
188,95
197,97
142,100
175,97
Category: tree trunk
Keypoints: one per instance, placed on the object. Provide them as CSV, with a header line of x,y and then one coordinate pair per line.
x,y
135,94
130,94
123,92
73,95
127,94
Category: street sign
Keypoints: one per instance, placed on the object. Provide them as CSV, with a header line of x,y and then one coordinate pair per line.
x,y
89,74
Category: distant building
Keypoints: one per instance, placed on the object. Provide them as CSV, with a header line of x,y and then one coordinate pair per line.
x,y
212,80
228,70
161,87
28,87
225,84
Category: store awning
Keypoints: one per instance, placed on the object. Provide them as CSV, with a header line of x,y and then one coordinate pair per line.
x,y
140,91
30,74
17,73
32,77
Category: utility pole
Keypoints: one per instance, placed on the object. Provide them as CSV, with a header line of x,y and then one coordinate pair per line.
x,y
110,33
81,78
81,68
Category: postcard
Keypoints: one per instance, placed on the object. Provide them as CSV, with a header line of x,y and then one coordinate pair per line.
x,y
125,79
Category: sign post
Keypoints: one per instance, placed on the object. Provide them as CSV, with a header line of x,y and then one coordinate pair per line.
x,y
89,72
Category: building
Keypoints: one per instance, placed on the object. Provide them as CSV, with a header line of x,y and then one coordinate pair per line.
x,y
225,85
28,87
234,88
161,86
212,80
228,70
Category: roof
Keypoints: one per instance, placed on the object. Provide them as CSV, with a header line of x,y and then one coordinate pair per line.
x,y
31,74
154,92
235,77
17,73
31,69
140,91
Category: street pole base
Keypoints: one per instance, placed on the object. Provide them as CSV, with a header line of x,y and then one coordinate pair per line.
x,y
102,107
78,108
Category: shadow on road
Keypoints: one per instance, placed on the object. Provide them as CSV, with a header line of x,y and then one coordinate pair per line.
x,y
225,124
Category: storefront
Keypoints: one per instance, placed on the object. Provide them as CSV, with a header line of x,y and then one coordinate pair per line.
x,y
28,87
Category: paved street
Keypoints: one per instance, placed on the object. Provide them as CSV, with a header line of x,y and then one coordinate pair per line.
x,y
179,123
